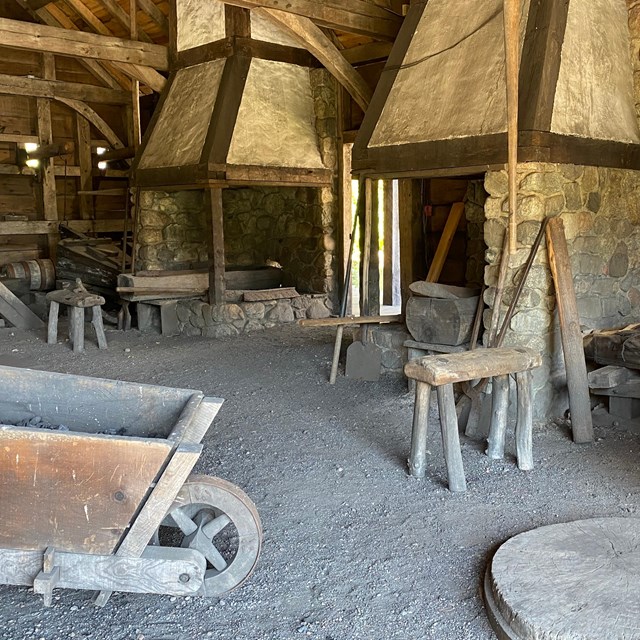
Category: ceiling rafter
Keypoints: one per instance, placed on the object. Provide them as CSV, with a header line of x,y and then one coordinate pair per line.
x,y
353,16
146,75
110,77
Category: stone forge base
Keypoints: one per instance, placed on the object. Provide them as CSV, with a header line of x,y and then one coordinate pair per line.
x,y
573,581
197,318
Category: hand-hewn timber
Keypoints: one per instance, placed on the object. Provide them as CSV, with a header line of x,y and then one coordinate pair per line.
x,y
572,347
38,88
34,37
352,16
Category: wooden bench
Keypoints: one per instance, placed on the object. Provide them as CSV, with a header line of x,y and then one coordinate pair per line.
x,y
417,350
441,372
77,299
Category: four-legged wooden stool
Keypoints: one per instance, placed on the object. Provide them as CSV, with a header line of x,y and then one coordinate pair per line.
x,y
442,371
77,299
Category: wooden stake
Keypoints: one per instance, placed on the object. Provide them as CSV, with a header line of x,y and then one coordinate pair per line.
x,y
512,50
574,360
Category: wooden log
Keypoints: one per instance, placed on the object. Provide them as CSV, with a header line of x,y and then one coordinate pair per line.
x,y
76,328
45,39
419,432
450,438
500,398
524,423
52,327
98,326
348,320
442,251
577,383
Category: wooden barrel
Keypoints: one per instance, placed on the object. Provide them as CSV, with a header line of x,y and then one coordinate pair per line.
x,y
40,274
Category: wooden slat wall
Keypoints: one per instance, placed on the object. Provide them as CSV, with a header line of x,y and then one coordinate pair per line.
x,y
19,194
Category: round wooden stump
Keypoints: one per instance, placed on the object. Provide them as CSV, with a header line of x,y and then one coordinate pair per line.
x,y
573,581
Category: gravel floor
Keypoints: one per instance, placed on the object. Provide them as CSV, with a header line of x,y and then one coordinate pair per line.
x,y
353,547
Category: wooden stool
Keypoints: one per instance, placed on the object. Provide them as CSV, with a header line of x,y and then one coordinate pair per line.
x,y
442,372
77,299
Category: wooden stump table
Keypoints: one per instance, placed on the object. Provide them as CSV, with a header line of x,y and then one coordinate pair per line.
x,y
572,581
442,372
77,299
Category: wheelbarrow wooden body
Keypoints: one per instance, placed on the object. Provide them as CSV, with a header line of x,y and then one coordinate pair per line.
x,y
85,501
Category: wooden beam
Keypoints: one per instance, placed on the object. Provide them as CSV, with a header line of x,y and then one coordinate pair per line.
x,y
442,251
412,263
39,88
217,283
117,12
304,31
49,202
366,53
45,227
352,16
148,76
45,39
83,146
152,10
540,66
53,16
95,120
17,138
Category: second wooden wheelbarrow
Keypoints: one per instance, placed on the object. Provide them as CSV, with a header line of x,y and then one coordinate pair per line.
x,y
96,491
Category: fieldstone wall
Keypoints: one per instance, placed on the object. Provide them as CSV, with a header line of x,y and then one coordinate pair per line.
x,y
171,235
600,208
474,202
198,318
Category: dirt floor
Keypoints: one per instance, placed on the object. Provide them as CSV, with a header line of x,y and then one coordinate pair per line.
x,y
353,547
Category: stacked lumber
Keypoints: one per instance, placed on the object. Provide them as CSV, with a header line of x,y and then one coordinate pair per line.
x,y
96,261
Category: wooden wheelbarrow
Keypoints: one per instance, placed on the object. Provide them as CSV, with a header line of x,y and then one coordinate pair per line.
x,y
96,491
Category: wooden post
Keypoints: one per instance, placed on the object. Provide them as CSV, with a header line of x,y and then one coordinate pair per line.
x,y
83,147
451,438
574,360
524,424
387,269
500,409
412,264
418,456
45,137
374,257
347,213
365,242
213,205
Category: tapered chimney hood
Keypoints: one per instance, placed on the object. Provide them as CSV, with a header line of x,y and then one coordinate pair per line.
x,y
238,107
440,107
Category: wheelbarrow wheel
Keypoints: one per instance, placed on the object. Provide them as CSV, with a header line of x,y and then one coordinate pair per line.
x,y
218,519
